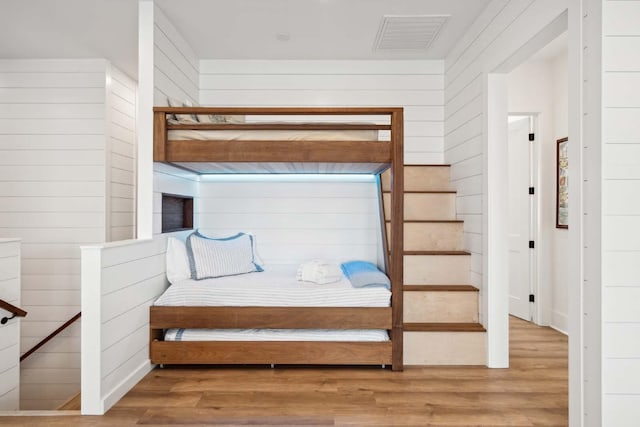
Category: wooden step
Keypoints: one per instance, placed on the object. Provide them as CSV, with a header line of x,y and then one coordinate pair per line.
x,y
442,268
431,235
439,288
444,348
424,307
421,177
439,205
443,327
72,404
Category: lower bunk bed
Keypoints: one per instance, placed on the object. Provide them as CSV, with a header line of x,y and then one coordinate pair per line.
x,y
272,318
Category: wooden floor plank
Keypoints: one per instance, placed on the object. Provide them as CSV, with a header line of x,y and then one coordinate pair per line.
x,y
532,392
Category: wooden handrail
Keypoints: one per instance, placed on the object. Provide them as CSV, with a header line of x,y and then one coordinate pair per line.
x,y
15,311
50,336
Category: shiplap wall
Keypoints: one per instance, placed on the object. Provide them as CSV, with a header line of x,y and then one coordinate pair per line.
x,y
52,195
415,85
120,281
175,75
121,143
10,332
620,213
294,219
502,28
176,68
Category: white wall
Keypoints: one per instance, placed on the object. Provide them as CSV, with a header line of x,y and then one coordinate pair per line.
x,y
540,87
121,160
67,129
620,213
119,282
296,219
52,195
496,36
415,85
176,68
10,332
167,68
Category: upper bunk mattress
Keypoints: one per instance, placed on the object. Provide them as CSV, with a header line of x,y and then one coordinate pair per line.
x,y
273,135
271,288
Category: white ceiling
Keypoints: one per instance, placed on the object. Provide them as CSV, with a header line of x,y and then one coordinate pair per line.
x,y
223,29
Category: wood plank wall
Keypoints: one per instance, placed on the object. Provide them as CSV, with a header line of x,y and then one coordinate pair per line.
x,y
10,332
415,85
176,68
121,133
620,203
52,195
176,73
503,27
295,220
123,279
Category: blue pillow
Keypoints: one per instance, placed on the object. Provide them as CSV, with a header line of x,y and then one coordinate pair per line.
x,y
362,274
227,256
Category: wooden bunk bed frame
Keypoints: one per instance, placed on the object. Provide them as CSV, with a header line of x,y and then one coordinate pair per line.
x,y
288,352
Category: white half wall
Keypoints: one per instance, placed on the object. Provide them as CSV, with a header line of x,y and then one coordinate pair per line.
x,y
415,85
10,332
120,280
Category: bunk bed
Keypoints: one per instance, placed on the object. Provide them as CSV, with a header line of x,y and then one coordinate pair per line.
x,y
287,145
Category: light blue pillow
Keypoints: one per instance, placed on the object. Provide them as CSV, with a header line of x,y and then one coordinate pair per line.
x,y
228,256
362,274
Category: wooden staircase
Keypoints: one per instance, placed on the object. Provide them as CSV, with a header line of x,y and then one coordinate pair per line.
x,y
440,307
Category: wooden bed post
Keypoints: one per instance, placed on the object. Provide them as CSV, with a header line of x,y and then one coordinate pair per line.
x,y
397,234
159,136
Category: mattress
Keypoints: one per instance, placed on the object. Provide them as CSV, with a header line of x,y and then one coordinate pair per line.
x,y
274,287
370,335
273,135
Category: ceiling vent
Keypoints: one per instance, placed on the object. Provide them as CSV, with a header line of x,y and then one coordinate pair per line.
x,y
408,32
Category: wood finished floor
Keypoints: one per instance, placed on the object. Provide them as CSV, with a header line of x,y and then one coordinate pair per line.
x,y
533,392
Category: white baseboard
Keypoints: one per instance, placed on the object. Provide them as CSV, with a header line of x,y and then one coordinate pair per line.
x,y
559,322
113,396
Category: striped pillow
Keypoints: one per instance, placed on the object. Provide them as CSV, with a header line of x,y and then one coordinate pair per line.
x,y
227,256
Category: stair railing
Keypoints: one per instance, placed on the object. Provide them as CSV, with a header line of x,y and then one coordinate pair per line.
x,y
50,336
15,311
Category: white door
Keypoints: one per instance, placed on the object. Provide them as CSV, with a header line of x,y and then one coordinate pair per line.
x,y
520,208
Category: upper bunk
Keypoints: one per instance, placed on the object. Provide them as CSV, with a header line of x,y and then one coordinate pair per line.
x,y
216,140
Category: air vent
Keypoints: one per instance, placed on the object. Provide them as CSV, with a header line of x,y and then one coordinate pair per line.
x,y
408,32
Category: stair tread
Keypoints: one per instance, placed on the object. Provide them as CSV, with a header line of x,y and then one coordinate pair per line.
x,y
435,221
440,288
436,253
443,327
426,164
434,191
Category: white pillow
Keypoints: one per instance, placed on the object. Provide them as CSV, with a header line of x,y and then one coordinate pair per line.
x,y
177,261
182,118
254,246
228,256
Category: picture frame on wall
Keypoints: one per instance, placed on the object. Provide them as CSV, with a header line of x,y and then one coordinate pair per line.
x,y
562,183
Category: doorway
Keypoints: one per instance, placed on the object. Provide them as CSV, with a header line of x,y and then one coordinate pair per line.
x,y
521,215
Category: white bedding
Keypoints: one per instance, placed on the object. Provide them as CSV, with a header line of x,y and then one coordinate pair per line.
x,y
271,288
274,135
276,335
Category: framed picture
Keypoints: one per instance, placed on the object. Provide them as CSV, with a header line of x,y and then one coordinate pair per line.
x,y
562,184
